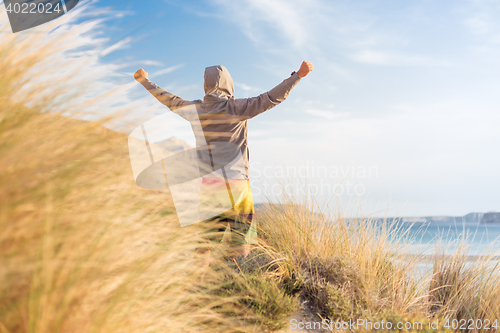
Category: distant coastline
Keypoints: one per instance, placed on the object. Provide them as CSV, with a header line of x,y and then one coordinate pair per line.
x,y
434,257
487,218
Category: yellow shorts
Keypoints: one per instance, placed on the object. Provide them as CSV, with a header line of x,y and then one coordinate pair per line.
x,y
239,218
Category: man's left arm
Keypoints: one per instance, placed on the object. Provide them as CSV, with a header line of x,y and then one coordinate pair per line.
x,y
251,107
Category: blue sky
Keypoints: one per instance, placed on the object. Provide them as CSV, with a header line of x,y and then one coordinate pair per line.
x,y
402,105
408,90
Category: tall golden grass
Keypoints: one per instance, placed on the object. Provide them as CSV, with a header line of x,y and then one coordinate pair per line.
x,y
359,268
317,250
82,248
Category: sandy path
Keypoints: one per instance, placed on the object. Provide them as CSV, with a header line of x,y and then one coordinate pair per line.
x,y
303,315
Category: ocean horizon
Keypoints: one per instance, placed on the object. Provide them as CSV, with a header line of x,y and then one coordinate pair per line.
x,y
429,238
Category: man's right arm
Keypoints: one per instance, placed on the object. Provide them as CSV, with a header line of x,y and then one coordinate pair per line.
x,y
172,101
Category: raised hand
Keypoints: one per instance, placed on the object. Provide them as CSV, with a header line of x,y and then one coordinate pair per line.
x,y
141,74
305,69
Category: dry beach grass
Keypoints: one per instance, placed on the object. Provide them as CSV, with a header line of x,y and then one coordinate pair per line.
x,y
83,249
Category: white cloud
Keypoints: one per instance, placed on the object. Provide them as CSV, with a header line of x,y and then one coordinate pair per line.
x,y
329,115
255,17
151,63
124,43
389,58
479,23
246,88
166,70
481,20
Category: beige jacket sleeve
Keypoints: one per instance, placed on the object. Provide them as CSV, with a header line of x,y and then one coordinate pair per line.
x,y
173,102
251,107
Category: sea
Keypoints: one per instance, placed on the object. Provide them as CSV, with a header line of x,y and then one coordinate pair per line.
x,y
474,240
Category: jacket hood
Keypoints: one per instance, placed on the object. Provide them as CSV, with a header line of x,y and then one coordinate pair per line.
x,y
218,85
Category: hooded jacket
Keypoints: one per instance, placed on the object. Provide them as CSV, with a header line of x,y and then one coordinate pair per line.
x,y
219,122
